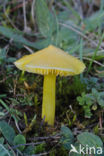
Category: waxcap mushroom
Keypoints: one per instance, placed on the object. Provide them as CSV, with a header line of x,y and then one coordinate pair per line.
x,y
50,62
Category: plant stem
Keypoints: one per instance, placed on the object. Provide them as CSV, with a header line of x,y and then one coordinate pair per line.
x,y
48,106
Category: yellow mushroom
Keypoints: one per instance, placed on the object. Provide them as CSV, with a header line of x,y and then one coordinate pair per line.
x,y
50,62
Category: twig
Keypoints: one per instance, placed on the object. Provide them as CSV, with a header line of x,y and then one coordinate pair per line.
x,y
24,14
81,29
28,144
100,121
32,11
61,6
81,34
2,147
29,49
98,53
11,150
18,127
46,138
98,63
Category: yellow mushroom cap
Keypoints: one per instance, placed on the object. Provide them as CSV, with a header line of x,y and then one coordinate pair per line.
x,y
51,60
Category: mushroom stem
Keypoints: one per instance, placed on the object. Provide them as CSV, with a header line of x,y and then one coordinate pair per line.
x,y
48,106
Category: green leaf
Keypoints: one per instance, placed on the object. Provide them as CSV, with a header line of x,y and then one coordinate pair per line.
x,y
1,140
2,113
44,18
3,95
93,21
4,104
100,99
75,13
67,137
7,131
66,35
40,44
11,59
90,139
17,36
19,140
4,151
63,15
3,54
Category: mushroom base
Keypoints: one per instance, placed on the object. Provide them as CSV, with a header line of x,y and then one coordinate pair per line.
x,y
48,106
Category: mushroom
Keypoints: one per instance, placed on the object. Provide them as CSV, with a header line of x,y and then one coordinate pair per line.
x,y
50,62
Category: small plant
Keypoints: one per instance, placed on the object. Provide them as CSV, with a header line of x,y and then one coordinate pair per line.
x,y
91,101
85,143
16,142
92,82
15,114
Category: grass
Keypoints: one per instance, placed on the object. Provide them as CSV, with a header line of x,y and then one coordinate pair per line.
x,y
77,29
